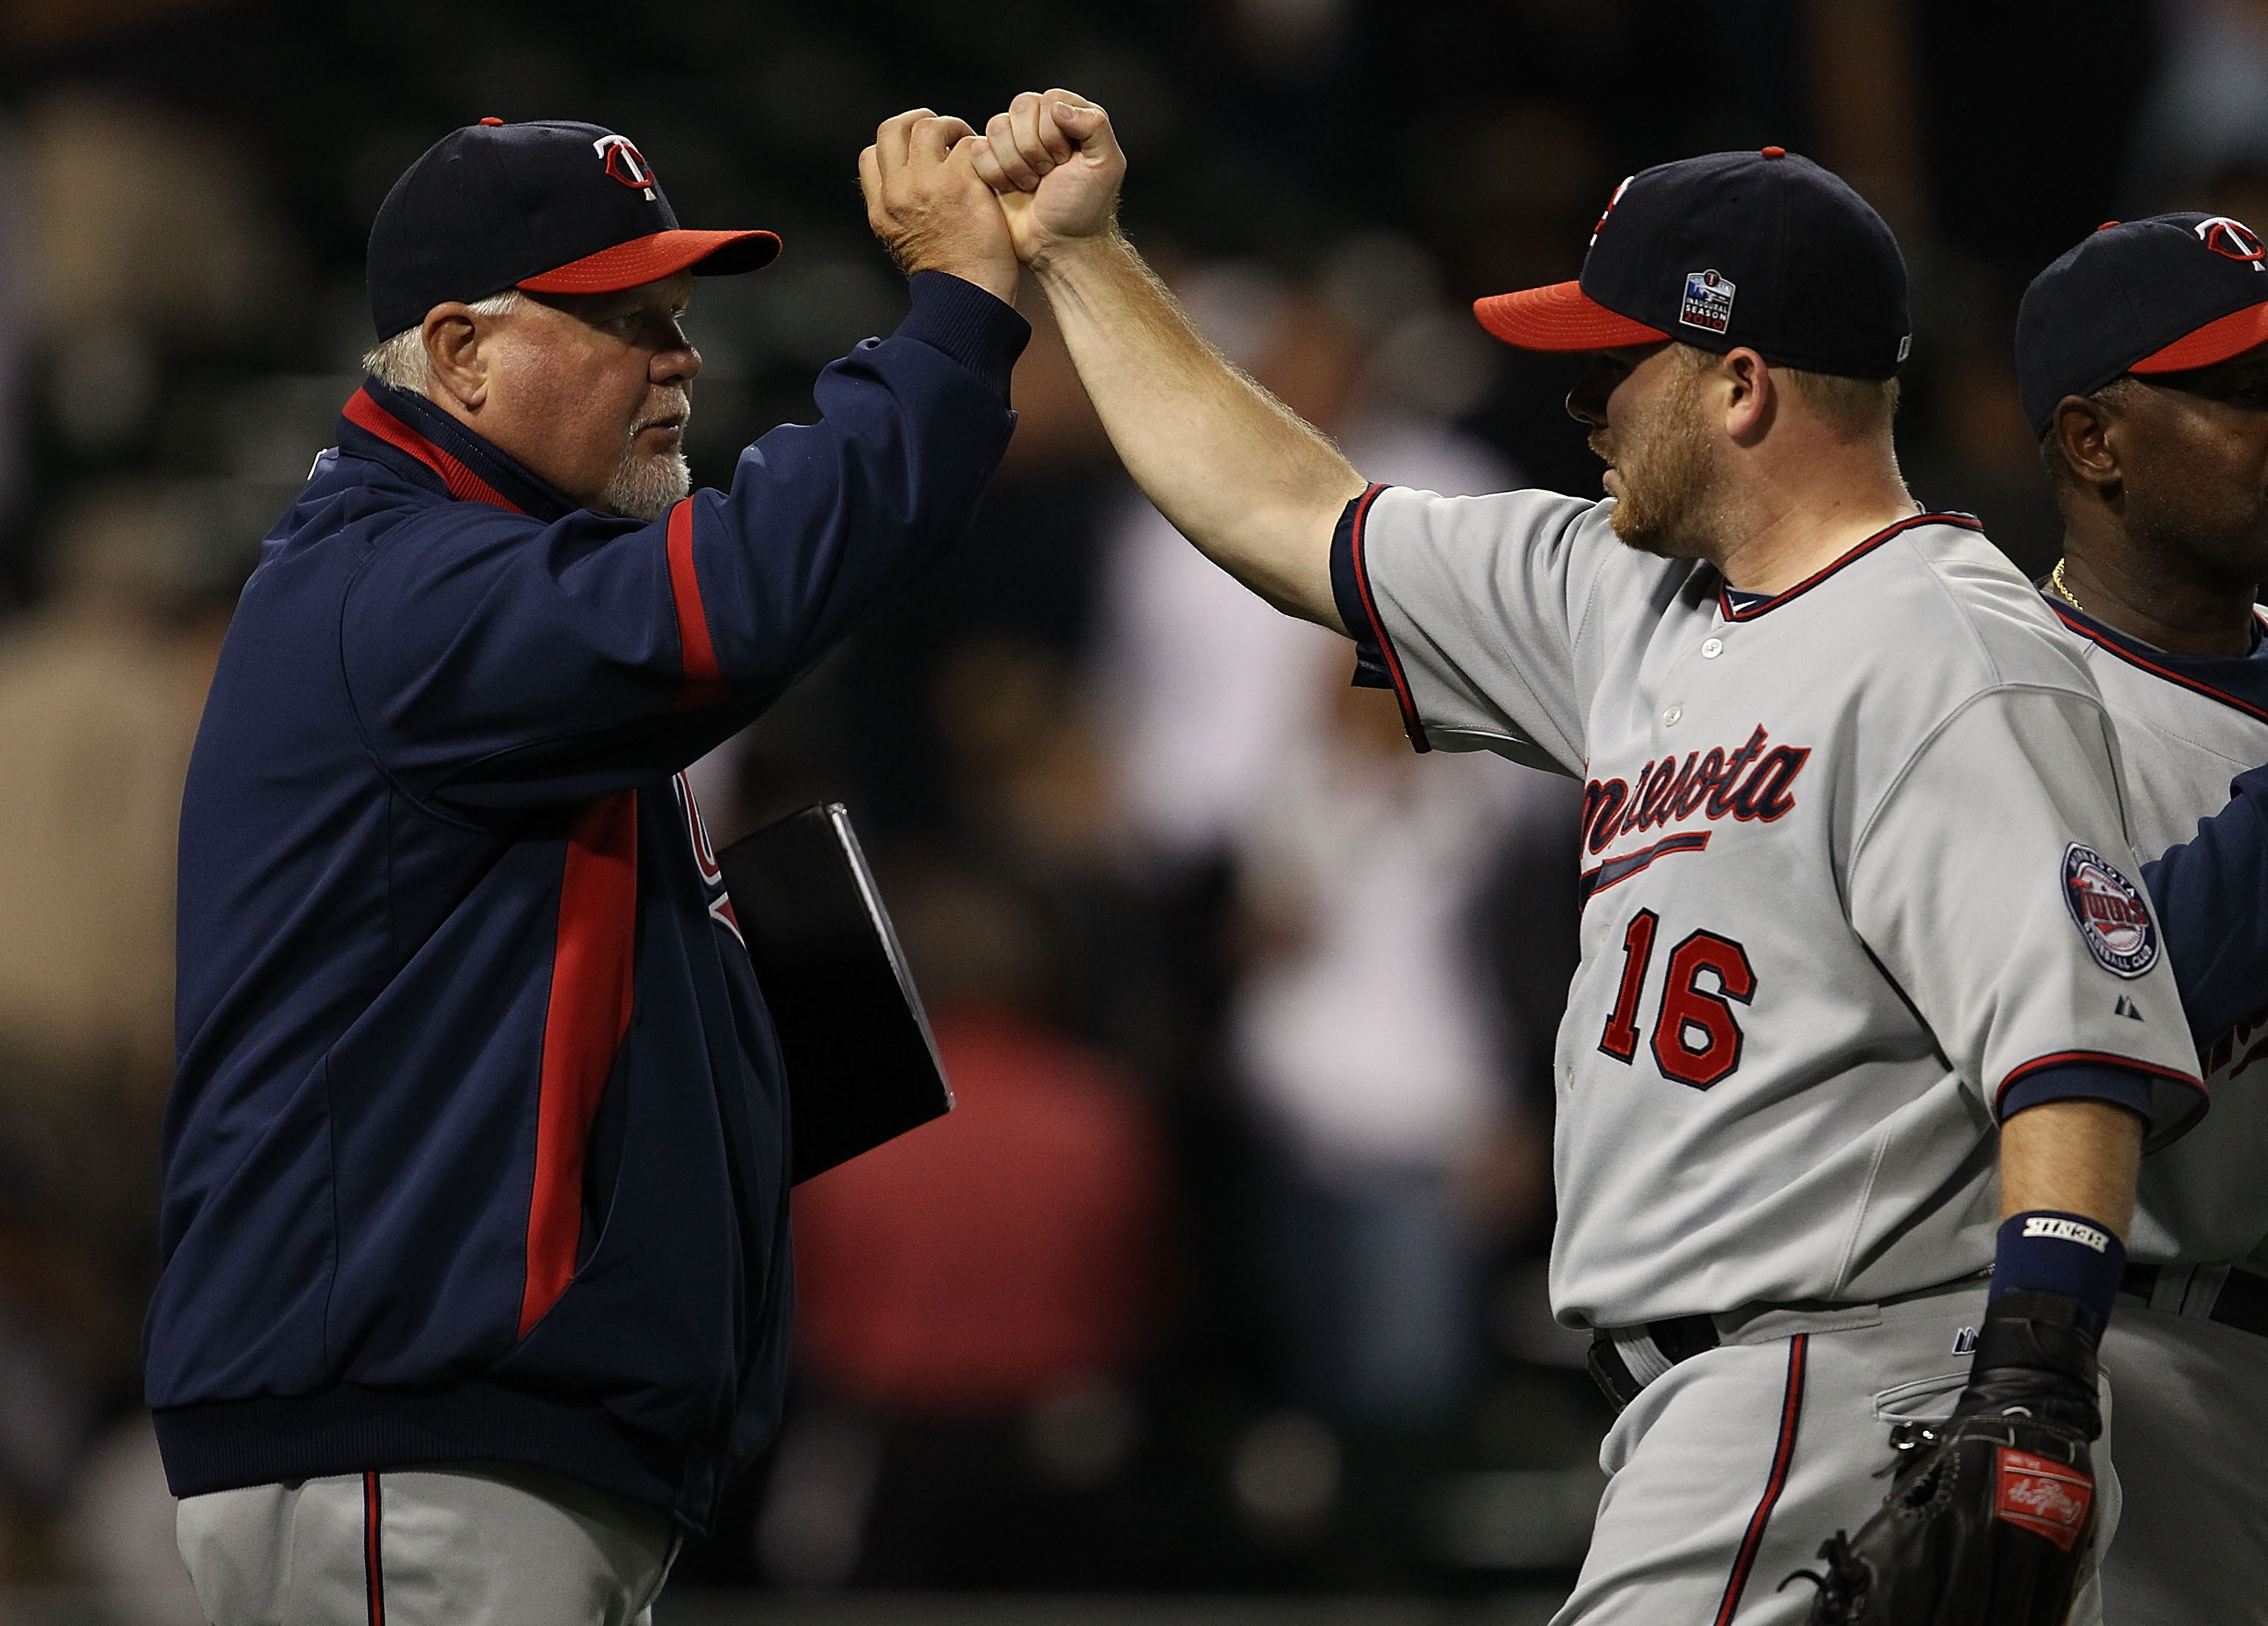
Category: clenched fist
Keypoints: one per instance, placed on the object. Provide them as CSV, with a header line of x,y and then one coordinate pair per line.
x,y
1057,165
927,205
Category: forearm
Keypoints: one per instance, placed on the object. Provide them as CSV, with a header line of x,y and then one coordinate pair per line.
x,y
2075,1157
1256,489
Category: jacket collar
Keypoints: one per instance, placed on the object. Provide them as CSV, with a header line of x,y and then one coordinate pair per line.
x,y
410,434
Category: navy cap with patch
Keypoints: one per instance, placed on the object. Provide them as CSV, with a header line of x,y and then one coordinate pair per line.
x,y
1763,249
551,206
2160,295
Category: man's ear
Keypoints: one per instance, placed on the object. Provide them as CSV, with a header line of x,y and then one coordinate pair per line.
x,y
453,354
1752,394
2083,428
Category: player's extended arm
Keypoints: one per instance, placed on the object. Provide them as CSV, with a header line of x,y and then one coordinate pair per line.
x,y
1238,474
2212,893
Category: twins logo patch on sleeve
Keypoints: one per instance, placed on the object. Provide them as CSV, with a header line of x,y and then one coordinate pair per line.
x,y
2109,913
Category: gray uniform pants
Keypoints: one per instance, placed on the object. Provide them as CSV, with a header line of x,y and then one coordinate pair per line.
x,y
2193,1434
454,1544
1727,1472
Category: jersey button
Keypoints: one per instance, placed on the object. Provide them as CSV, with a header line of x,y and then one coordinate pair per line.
x,y
1669,717
1712,649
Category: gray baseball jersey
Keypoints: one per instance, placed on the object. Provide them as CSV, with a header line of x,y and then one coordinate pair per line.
x,y
2192,1393
1858,877
2184,738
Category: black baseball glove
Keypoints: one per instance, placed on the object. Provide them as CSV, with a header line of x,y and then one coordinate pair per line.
x,y
1990,1513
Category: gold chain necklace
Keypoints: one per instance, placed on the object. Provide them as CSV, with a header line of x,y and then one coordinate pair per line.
x,y
2063,587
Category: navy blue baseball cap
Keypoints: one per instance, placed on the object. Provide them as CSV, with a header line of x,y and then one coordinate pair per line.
x,y
1763,249
551,206
2161,295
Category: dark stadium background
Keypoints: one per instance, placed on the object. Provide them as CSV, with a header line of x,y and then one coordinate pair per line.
x,y
185,186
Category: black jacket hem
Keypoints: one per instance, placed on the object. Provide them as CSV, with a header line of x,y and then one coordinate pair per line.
x,y
227,1444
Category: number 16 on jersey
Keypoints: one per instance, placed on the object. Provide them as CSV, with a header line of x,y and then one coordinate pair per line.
x,y
1696,1036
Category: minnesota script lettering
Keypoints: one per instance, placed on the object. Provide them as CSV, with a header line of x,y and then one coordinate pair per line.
x,y
1746,783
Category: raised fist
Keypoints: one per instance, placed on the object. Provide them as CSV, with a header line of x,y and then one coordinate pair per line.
x,y
926,204
1057,165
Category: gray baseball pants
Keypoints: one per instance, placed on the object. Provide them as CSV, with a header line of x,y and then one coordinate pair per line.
x,y
2193,1434
1731,1467
452,1544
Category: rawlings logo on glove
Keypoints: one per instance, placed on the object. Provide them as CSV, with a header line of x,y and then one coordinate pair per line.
x,y
2048,1498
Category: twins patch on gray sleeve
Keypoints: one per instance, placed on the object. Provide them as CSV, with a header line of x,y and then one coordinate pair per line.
x,y
2112,918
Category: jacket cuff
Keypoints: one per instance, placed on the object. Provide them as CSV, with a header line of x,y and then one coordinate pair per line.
x,y
981,332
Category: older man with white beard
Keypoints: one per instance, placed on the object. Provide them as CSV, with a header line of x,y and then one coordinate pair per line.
x,y
476,1287
1852,828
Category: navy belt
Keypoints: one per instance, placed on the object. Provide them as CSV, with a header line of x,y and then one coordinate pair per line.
x,y
2239,1300
1661,1346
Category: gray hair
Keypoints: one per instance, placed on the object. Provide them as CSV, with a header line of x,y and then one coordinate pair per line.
x,y
399,362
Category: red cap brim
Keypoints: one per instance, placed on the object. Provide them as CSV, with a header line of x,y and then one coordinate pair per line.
x,y
2233,334
1560,317
664,254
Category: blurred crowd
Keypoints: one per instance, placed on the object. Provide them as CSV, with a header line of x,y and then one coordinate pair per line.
x,y
1228,1272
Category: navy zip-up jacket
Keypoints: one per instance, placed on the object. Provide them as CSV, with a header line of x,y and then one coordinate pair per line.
x,y
478,1144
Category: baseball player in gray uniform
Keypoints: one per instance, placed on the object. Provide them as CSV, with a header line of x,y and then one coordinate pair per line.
x,y
1857,870
2143,359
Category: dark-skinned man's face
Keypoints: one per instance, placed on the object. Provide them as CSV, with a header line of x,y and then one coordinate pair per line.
x,y
2193,456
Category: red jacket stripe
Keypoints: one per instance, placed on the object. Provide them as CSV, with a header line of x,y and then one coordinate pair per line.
x,y
704,682
589,1012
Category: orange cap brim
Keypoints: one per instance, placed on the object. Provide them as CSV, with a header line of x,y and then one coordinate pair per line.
x,y
2233,334
664,254
1560,317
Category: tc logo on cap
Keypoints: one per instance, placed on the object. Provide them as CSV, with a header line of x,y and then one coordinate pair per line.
x,y
626,164
1601,225
2232,239
1708,301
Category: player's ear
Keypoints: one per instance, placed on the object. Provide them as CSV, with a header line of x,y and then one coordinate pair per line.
x,y
2082,432
1751,397
453,353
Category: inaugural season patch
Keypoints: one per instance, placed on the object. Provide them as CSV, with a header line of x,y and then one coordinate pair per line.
x,y
2109,913
1708,301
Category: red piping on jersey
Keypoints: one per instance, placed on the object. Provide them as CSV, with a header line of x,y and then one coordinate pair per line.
x,y
2099,1059
1791,1413
1410,725
2193,685
373,1571
589,1013
704,682
1813,580
464,485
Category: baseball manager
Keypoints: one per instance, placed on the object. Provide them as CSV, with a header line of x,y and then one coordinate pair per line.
x,y
475,1284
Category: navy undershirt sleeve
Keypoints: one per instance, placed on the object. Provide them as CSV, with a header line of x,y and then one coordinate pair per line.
x,y
2079,1081
1346,593
2212,896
